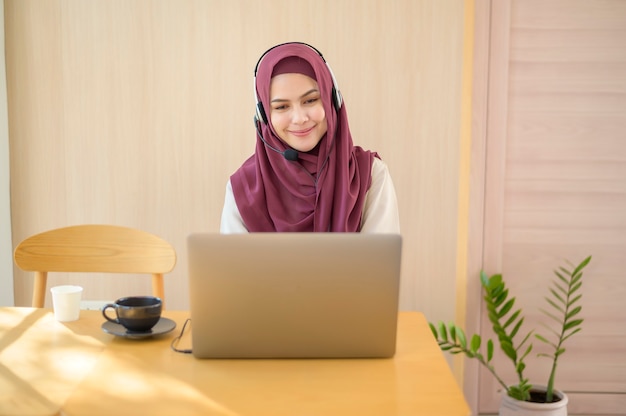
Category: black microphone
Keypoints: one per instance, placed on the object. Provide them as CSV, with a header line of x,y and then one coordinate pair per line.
x,y
289,154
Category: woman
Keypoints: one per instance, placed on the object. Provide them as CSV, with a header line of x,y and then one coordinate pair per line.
x,y
306,175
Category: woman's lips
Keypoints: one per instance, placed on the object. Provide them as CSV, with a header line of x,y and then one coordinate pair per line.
x,y
301,133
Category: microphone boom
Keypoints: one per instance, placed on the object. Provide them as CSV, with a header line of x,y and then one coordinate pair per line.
x,y
289,154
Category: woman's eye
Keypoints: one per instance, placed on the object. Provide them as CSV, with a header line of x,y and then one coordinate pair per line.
x,y
280,107
312,100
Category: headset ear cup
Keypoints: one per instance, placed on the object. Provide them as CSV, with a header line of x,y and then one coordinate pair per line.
x,y
260,111
337,99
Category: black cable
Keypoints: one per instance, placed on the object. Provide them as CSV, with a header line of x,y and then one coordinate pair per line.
x,y
177,339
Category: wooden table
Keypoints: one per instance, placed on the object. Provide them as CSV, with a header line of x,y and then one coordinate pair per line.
x,y
74,368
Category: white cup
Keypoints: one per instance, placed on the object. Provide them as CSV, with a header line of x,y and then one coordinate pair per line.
x,y
66,302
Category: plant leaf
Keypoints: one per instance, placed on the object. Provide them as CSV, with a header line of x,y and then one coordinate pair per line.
x,y
525,338
547,341
561,289
528,350
554,317
452,332
443,333
556,295
484,279
512,318
516,328
561,277
581,265
461,337
573,312
500,297
475,343
572,324
576,299
495,283
506,308
576,287
576,279
508,350
570,334
433,330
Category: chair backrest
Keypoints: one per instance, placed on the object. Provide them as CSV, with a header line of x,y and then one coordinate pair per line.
x,y
95,248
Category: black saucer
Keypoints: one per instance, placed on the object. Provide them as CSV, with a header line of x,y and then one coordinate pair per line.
x,y
162,327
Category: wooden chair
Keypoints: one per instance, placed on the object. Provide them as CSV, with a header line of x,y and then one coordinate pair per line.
x,y
93,249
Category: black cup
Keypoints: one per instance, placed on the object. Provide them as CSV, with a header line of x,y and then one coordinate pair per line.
x,y
135,313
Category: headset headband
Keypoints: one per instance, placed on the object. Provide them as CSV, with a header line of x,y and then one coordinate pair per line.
x,y
336,95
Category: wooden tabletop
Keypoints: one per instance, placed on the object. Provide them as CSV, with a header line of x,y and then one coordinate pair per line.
x,y
75,368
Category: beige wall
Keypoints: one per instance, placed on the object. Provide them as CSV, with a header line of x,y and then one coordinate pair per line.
x,y
6,260
136,112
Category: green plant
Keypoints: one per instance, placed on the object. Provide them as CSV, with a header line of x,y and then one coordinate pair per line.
x,y
507,322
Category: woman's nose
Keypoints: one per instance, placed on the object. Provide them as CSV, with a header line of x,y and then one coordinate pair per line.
x,y
299,115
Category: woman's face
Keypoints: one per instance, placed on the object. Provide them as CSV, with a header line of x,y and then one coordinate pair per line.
x,y
296,111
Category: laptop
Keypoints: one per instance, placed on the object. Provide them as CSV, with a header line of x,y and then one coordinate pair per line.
x,y
294,295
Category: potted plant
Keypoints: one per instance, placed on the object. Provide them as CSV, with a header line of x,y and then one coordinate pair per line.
x,y
563,301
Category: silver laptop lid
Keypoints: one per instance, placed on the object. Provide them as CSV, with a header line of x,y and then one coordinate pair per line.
x,y
289,295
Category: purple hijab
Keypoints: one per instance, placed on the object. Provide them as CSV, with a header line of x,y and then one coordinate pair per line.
x,y
324,190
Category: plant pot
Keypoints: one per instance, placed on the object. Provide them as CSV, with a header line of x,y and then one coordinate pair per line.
x,y
513,407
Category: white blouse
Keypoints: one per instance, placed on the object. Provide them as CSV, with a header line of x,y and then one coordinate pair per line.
x,y
380,211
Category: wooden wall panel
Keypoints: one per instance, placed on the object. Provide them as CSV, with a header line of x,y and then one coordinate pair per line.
x,y
135,112
556,183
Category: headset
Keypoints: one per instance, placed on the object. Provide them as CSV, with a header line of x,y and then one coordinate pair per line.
x,y
261,115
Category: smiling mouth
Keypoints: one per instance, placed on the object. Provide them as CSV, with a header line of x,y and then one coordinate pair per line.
x,y
301,132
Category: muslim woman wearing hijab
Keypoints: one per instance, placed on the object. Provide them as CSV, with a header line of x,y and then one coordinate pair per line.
x,y
306,175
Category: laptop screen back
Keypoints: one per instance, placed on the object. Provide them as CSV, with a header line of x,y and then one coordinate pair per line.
x,y
294,295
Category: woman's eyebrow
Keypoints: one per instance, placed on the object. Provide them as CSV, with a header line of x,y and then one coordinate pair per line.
x,y
309,92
